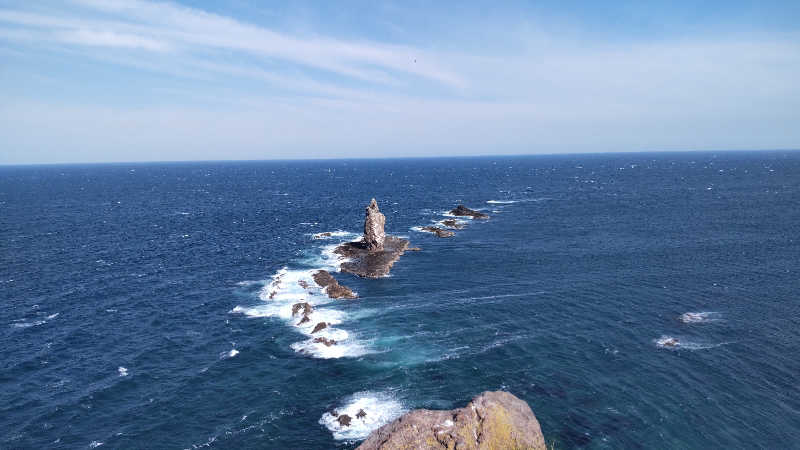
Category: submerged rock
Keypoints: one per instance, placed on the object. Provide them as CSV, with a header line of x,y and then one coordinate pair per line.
x,y
452,223
463,211
375,254
302,284
332,287
304,319
668,341
320,326
492,420
374,235
441,232
326,341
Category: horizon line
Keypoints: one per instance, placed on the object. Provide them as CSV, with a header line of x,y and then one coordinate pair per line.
x,y
368,158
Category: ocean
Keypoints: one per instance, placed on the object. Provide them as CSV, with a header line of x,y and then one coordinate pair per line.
x,y
644,300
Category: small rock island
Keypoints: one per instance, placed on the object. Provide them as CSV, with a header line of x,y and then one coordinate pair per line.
x,y
374,255
492,420
463,211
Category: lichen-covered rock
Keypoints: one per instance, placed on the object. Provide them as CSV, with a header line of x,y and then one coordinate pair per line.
x,y
492,420
374,235
463,211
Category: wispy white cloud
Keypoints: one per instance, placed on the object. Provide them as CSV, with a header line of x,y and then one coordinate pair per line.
x,y
161,26
244,90
110,39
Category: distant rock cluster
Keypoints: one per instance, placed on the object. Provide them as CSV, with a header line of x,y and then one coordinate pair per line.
x,y
453,224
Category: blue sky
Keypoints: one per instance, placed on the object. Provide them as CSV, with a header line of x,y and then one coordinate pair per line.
x,y
135,80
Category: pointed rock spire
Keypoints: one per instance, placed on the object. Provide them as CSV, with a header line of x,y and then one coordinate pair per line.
x,y
374,236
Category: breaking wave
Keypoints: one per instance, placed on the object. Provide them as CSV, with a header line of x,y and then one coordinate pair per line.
x,y
289,287
380,408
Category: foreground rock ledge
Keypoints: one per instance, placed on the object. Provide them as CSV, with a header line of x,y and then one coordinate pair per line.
x,y
374,255
492,420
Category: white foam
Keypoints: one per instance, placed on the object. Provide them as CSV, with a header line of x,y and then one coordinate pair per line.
x,y
700,317
381,408
52,316
349,348
458,222
230,354
340,234
279,297
123,372
447,214
95,444
501,202
22,324
673,343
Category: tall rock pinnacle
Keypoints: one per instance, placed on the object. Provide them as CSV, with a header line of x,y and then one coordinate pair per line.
x,y
374,236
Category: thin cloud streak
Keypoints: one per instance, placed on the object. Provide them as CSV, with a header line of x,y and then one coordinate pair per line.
x,y
162,26
225,89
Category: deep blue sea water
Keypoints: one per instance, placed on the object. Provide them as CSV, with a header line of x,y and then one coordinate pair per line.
x,y
135,310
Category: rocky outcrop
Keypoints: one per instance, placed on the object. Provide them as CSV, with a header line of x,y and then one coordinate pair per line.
x,y
326,341
344,420
374,235
319,327
331,286
452,223
305,307
492,420
374,255
463,211
441,232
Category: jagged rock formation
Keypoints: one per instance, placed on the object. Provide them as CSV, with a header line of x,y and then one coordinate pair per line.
x,y
375,254
332,287
305,306
492,420
319,327
374,235
441,232
463,211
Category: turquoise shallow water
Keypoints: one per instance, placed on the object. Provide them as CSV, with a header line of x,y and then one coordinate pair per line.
x,y
135,300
